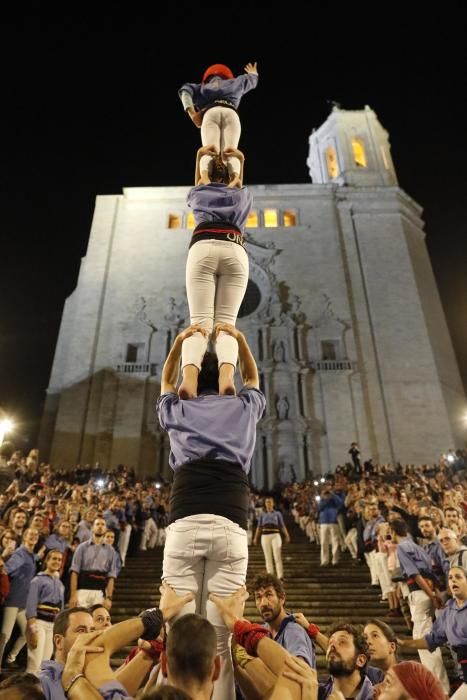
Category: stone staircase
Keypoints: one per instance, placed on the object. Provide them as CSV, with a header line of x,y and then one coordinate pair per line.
x,y
323,594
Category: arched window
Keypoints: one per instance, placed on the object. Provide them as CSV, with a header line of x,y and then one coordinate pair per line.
x,y
270,218
175,221
359,154
331,162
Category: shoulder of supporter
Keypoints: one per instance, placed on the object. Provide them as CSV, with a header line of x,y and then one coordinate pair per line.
x,y
254,396
163,404
297,642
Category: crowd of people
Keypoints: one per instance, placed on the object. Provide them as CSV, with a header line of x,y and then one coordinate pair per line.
x,y
65,536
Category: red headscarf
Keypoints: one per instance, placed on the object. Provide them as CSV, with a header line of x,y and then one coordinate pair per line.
x,y
418,681
218,69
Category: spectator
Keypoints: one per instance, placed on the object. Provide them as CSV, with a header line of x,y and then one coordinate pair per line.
x,y
285,630
416,567
346,659
45,600
21,569
93,570
270,525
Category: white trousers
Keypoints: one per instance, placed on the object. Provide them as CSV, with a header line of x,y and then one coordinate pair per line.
x,y
10,616
329,535
216,281
384,577
208,554
351,542
371,561
272,548
44,648
88,597
150,535
123,542
461,693
221,128
421,611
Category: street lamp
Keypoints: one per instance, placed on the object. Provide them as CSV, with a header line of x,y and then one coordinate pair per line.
x,y
6,426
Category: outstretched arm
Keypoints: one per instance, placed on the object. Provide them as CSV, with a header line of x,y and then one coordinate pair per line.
x,y
171,367
251,68
248,368
98,670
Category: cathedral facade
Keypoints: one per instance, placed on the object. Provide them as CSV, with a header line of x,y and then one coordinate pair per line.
x,y
342,313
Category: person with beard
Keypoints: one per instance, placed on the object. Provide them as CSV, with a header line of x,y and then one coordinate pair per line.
x,y
93,570
346,658
285,630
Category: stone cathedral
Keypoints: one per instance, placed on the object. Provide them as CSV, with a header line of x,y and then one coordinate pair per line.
x,y
342,313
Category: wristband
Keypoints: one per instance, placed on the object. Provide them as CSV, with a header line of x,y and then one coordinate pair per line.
x,y
249,635
312,630
153,621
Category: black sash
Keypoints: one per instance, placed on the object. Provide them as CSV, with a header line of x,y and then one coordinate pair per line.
x,y
210,486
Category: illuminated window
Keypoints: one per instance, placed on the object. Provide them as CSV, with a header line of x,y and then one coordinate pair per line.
x,y
175,221
359,154
190,220
290,218
270,218
252,221
331,162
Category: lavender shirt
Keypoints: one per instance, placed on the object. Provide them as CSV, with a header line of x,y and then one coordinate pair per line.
x,y
232,90
218,202
212,426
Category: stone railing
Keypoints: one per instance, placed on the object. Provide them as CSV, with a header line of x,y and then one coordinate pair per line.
x,y
333,365
137,368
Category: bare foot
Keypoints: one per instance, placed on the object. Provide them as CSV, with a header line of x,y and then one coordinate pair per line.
x,y
226,380
188,389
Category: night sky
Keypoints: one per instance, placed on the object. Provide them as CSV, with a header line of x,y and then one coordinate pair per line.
x,y
90,111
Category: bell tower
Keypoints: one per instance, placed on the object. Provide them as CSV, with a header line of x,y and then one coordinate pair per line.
x,y
351,148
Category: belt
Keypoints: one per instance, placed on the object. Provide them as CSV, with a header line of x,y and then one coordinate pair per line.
x,y
213,235
221,103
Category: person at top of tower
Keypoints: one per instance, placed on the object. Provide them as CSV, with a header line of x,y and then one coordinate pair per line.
x,y
216,270
212,106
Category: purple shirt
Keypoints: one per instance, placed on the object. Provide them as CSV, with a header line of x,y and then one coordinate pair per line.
x,y
212,426
232,90
292,637
21,568
95,557
50,679
450,626
54,541
44,589
218,202
413,559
